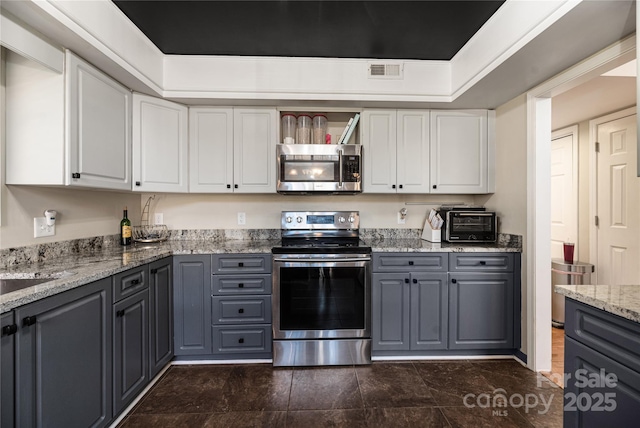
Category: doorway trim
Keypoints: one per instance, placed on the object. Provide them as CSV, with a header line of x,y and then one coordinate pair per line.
x,y
537,257
593,179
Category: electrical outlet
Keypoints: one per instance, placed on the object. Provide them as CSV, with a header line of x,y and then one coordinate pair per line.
x,y
41,229
400,219
242,218
158,218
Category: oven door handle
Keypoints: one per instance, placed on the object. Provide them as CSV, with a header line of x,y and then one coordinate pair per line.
x,y
320,260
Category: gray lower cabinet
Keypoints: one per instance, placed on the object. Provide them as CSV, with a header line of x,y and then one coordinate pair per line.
x,y
130,335
63,359
602,368
160,315
241,306
7,347
409,309
484,301
192,304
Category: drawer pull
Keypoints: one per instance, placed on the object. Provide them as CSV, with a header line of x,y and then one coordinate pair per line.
x,y
241,264
27,321
410,262
482,262
135,282
9,330
453,280
241,340
241,285
241,311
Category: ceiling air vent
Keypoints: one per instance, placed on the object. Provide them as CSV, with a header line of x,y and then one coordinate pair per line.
x,y
385,71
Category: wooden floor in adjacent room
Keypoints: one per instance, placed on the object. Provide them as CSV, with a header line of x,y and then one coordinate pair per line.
x,y
557,357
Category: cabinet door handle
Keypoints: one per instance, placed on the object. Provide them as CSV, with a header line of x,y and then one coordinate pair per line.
x,y
393,186
482,262
241,311
135,281
241,340
453,280
241,285
8,330
235,186
27,321
435,187
406,280
241,264
75,175
410,262
120,313
415,281
138,183
228,186
153,271
400,186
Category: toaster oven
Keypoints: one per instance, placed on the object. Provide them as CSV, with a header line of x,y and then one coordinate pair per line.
x,y
469,225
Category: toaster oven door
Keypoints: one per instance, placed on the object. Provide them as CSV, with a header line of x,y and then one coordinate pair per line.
x,y
471,226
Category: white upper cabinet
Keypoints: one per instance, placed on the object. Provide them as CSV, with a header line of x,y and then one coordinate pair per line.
x,y
159,145
462,151
210,149
396,151
66,130
98,115
254,150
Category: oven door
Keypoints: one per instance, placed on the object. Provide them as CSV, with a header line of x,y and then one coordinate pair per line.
x,y
321,296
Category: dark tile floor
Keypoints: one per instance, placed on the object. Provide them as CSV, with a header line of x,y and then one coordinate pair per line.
x,y
384,394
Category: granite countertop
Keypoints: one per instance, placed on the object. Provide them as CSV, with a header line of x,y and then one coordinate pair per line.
x,y
74,270
622,300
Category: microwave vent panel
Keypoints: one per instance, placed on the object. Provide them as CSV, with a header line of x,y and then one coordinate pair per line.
x,y
385,71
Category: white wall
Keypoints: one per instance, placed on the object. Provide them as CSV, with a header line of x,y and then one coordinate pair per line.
x,y
210,211
81,213
510,198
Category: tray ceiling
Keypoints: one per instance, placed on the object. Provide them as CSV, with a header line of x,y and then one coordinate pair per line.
x,y
421,30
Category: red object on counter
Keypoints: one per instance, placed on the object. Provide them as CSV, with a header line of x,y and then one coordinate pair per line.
x,y
568,252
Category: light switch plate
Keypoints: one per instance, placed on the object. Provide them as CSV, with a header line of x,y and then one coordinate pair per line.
x,y
40,228
158,218
242,218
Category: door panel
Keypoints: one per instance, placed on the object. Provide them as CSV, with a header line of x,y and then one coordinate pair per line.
x,y
564,191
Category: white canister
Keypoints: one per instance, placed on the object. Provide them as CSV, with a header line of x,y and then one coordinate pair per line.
x,y
288,123
304,129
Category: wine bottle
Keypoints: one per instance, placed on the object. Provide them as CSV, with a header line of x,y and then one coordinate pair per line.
x,y
125,229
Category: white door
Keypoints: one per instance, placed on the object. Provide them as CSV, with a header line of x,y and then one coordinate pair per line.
x,y
159,145
254,150
618,232
211,149
459,151
564,190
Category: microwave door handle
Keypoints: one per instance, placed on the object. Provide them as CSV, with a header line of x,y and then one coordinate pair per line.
x,y
480,214
340,180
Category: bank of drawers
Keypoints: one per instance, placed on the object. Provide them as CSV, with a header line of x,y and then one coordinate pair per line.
x,y
241,305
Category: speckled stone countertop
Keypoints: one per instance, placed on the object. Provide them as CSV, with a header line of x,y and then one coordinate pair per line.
x,y
622,300
71,270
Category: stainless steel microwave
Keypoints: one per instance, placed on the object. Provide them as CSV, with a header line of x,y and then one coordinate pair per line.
x,y
319,168
469,225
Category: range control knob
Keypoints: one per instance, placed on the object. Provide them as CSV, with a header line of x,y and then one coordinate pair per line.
x,y
473,237
351,219
342,219
299,219
288,219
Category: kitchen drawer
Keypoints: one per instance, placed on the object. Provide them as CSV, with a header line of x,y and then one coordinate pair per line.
x,y
241,263
242,339
616,337
130,282
241,309
410,262
481,262
241,284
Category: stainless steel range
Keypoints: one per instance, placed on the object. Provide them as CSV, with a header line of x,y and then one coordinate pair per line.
x,y
321,291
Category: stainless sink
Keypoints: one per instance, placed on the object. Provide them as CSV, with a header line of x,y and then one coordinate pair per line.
x,y
11,282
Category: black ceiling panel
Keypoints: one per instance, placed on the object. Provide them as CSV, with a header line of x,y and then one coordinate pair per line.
x,y
423,30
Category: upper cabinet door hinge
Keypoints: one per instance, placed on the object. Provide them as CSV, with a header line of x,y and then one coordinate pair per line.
x,y
597,221
597,147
